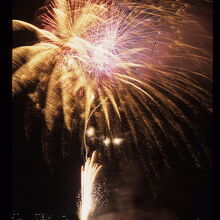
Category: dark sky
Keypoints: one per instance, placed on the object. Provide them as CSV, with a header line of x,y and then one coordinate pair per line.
x,y
184,189
34,188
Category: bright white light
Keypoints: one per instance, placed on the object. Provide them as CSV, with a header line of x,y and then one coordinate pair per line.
x,y
89,173
106,141
117,141
90,132
99,54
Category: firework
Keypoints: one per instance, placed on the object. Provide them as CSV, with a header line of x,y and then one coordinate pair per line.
x,y
107,63
89,198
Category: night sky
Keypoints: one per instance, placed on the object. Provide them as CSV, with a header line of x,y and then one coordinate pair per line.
x,y
184,189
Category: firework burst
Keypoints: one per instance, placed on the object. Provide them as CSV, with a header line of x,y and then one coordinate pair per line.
x,y
113,63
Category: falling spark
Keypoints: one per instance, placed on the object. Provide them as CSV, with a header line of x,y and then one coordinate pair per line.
x,y
117,141
89,173
127,63
90,132
106,141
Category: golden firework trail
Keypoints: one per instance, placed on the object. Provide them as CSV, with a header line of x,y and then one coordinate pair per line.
x,y
107,63
89,173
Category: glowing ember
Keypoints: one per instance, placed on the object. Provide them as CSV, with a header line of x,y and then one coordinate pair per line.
x,y
117,141
106,141
90,132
